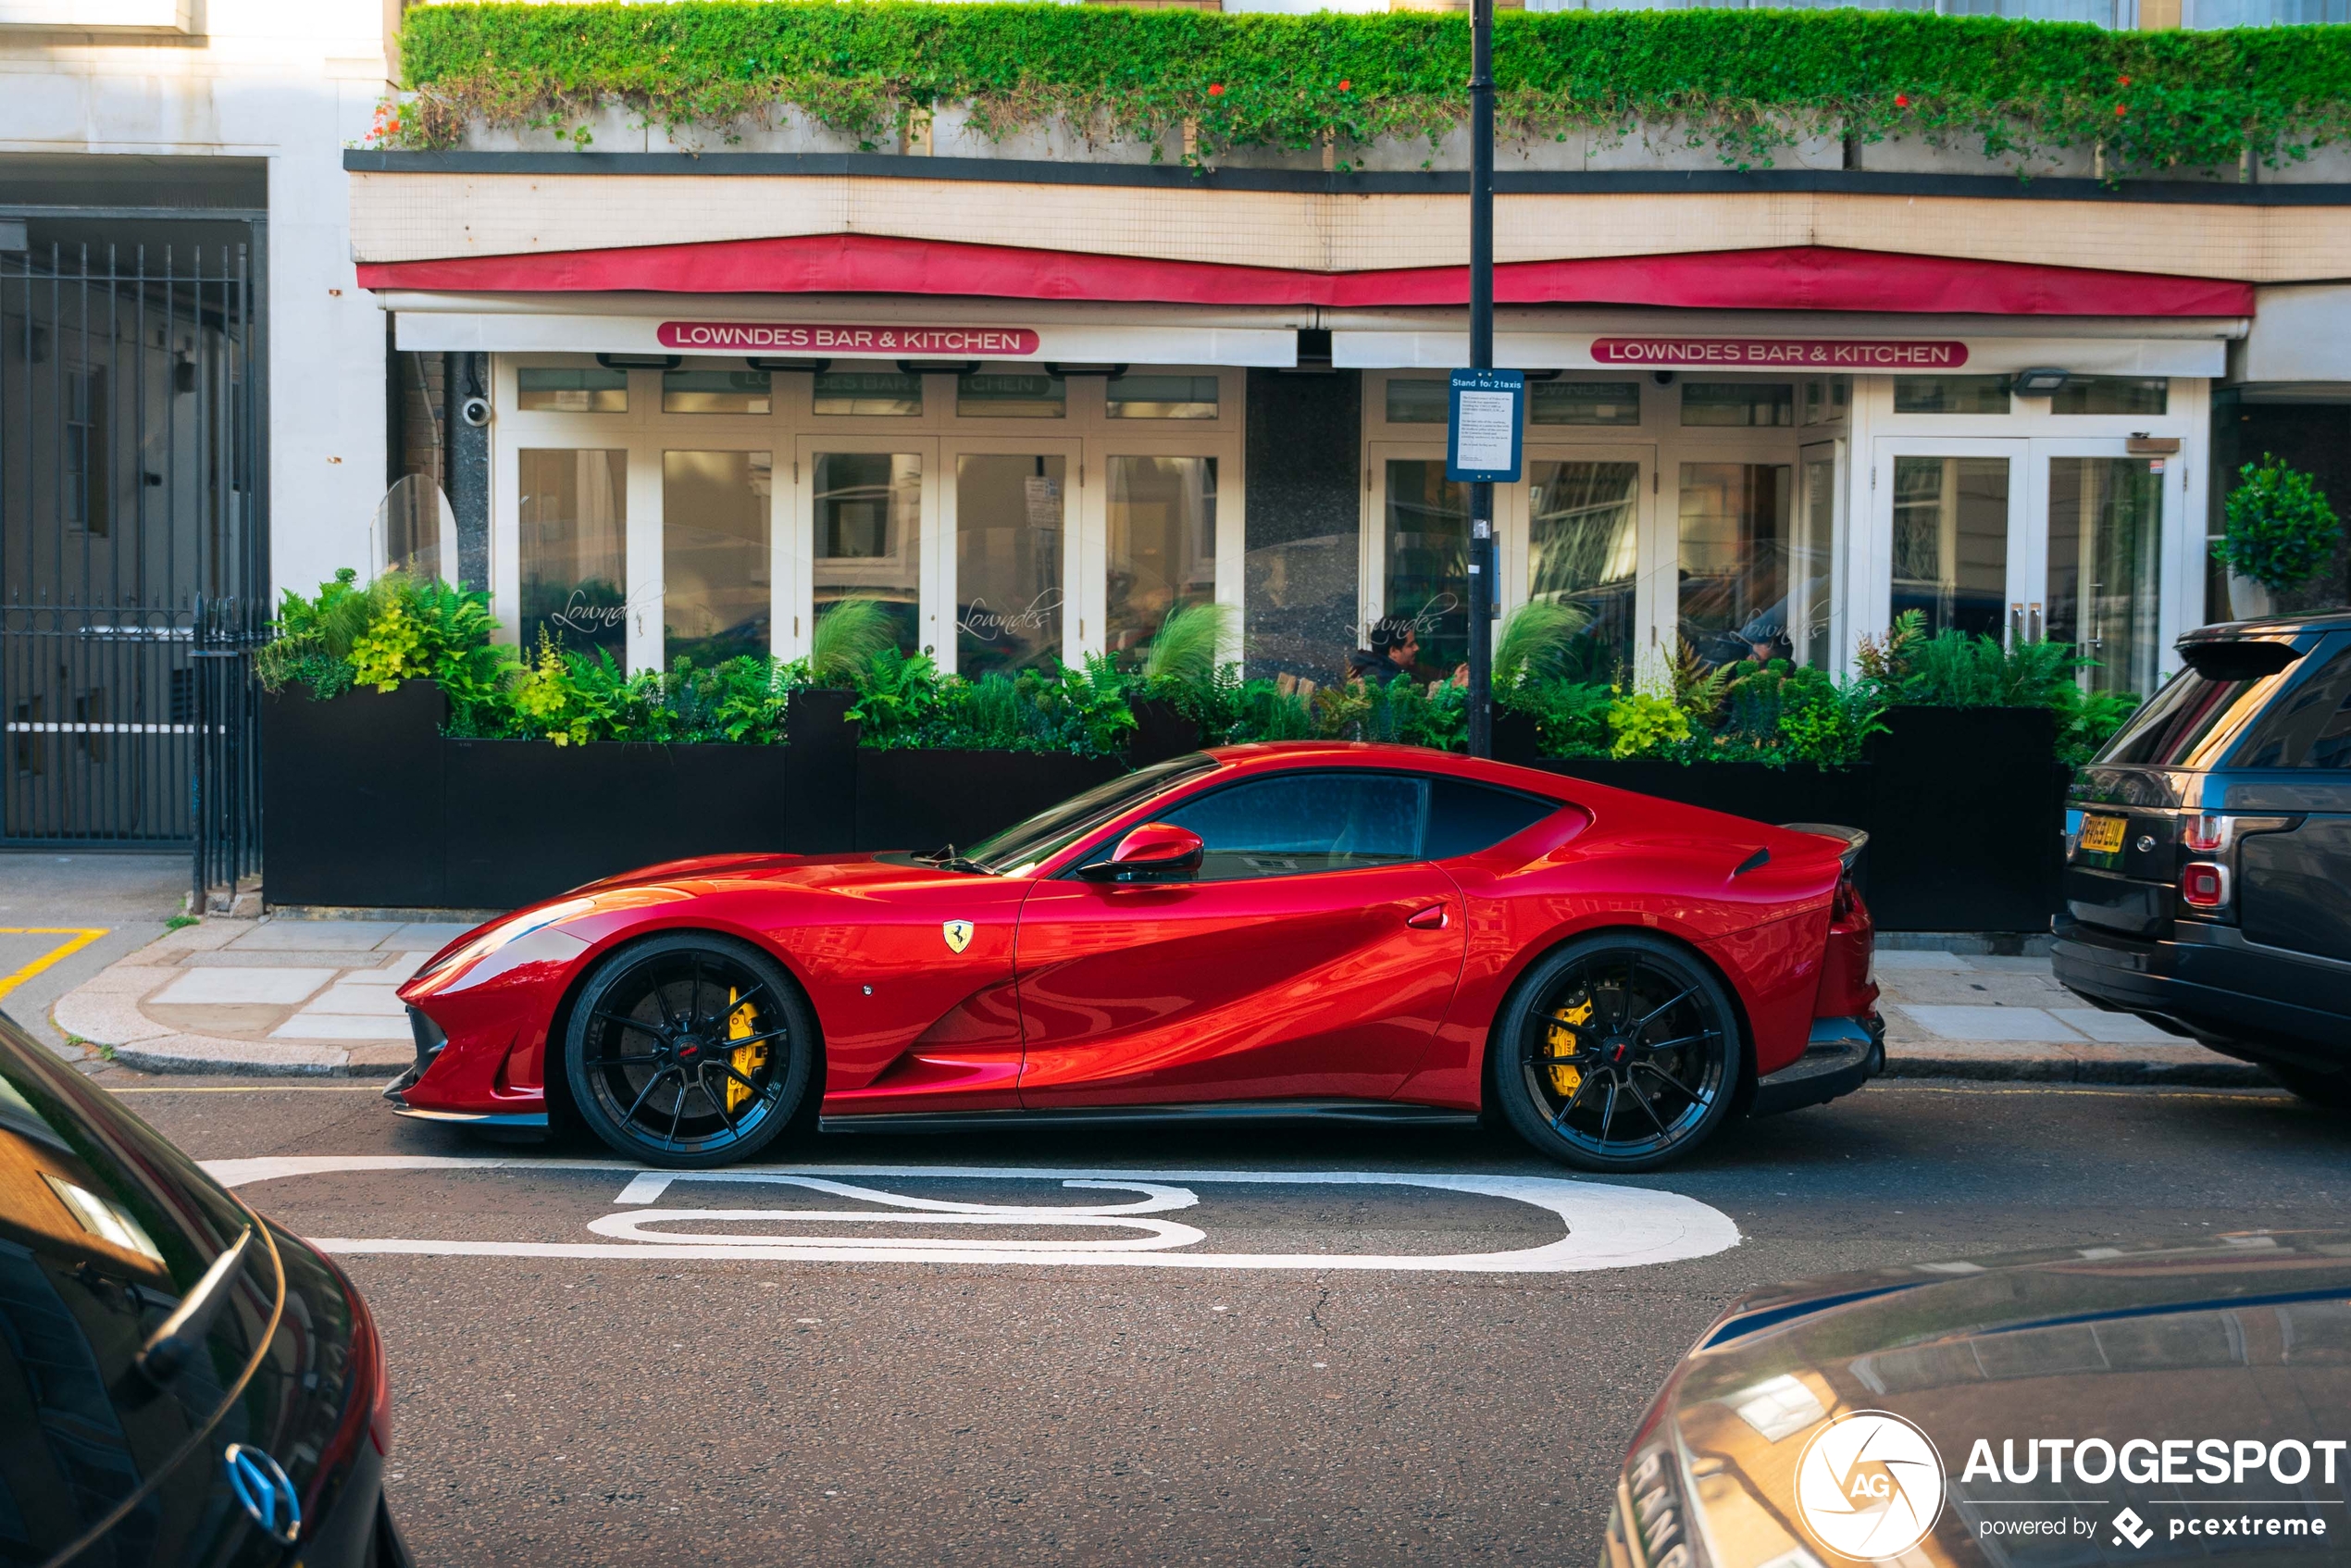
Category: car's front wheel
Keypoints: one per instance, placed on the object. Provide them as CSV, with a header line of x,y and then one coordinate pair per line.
x,y
689,1050
1620,1052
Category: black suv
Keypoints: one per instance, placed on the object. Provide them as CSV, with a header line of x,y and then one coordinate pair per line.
x,y
2208,882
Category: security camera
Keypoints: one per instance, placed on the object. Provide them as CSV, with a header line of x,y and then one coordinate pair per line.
x,y
1662,378
475,411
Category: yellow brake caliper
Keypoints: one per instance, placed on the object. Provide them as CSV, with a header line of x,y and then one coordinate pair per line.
x,y
1566,1078
746,1059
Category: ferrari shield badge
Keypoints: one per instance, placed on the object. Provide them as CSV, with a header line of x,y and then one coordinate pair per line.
x,y
958,934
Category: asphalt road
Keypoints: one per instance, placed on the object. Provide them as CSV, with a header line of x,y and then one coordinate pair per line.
x,y
646,1403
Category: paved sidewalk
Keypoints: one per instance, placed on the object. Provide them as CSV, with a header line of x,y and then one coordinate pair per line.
x,y
64,917
296,996
269,996
1965,1015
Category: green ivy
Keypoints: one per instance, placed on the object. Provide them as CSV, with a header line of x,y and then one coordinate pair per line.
x,y
1747,82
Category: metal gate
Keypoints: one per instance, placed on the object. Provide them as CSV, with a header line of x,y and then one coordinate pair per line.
x,y
133,552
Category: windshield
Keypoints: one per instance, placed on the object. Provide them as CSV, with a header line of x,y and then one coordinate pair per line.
x,y
1023,846
2189,722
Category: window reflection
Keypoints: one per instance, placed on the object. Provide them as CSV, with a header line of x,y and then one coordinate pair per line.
x,y
1735,587
714,555
562,390
1950,544
1582,551
575,553
1163,544
1428,543
1008,561
2106,520
869,543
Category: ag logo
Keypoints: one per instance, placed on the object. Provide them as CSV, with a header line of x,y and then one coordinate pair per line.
x,y
958,934
1869,1485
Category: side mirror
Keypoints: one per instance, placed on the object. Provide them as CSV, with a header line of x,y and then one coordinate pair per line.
x,y
1155,849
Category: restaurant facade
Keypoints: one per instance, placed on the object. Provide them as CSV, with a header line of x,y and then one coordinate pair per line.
x,y
1033,404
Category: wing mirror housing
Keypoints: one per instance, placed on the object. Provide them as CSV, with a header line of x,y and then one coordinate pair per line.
x,y
1154,852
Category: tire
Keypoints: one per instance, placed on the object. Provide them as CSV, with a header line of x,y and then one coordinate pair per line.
x,y
664,1065
2330,1090
1620,1052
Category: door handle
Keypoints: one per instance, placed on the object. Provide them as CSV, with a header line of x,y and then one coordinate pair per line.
x,y
1433,918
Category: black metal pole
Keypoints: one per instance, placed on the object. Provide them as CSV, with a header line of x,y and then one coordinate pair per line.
x,y
1481,350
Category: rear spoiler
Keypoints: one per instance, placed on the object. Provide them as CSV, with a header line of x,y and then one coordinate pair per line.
x,y
1855,841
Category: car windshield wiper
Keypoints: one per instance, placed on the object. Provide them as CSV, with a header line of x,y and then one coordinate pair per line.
x,y
948,860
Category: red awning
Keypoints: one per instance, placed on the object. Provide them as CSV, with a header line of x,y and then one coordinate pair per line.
x,y
1792,278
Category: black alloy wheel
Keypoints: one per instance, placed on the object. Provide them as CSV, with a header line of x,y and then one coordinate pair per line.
x,y
689,1050
1618,1053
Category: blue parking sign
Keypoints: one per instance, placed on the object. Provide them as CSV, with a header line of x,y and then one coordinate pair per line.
x,y
1489,414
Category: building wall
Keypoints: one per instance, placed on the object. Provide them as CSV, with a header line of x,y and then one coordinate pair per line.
x,y
290,81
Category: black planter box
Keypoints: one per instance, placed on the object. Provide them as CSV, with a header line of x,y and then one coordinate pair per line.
x,y
1965,809
1160,732
351,797
527,819
1967,820
921,800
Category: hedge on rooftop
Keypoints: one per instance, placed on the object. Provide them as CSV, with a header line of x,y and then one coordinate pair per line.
x,y
1743,82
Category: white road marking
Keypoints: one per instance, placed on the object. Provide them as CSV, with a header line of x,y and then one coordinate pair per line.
x,y
1608,1226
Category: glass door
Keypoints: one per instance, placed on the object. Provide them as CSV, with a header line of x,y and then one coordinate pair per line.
x,y
1416,567
1953,539
1586,509
867,530
1815,613
717,564
1162,514
1734,527
2103,513
1009,511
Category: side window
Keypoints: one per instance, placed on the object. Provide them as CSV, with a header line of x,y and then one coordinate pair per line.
x,y
1464,817
1296,824
2307,727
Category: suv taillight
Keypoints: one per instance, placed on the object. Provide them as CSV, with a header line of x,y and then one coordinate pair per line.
x,y
2205,834
2204,885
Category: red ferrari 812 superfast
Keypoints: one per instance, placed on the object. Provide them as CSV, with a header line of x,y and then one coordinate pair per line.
x,y
1363,931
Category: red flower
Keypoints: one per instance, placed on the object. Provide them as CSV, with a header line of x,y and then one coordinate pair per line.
x,y
1901,100
1344,84
2123,80
1216,90
2122,109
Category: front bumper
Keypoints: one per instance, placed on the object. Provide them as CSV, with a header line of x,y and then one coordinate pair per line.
x,y
2238,997
430,1043
1842,1055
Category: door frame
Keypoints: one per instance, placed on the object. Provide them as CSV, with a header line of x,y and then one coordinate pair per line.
x,y
2171,560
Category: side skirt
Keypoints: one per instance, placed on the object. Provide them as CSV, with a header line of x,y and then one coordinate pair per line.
x,y
1362,1112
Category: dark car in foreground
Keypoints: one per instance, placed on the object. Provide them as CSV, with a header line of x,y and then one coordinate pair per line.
x,y
2105,1404
182,1382
2208,882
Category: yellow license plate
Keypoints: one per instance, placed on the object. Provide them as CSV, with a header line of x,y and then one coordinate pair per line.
x,y
2102,835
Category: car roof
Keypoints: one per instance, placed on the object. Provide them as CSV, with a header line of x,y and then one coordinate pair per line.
x,y
2271,626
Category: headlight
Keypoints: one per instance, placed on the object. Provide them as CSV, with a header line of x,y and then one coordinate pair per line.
x,y
515,926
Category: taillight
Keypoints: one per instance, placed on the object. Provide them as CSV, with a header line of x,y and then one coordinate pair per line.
x,y
2205,834
1842,901
2204,885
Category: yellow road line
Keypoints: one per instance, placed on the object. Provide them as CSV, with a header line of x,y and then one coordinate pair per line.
x,y
82,937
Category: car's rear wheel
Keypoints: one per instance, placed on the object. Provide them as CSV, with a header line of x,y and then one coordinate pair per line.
x,y
2331,1089
689,1050
1620,1052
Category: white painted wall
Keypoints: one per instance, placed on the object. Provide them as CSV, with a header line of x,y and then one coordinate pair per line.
x,y
292,81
